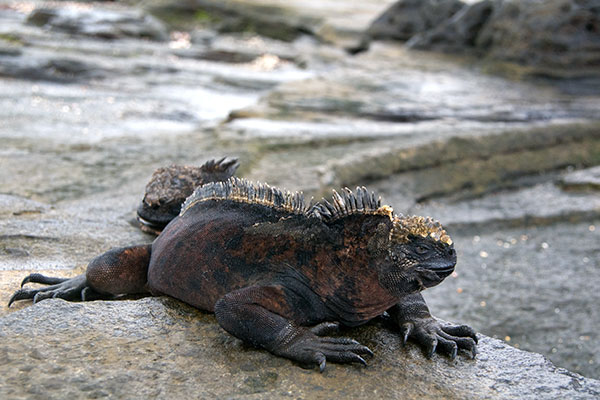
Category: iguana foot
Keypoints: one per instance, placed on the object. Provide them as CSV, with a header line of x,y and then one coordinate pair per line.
x,y
62,288
434,335
309,349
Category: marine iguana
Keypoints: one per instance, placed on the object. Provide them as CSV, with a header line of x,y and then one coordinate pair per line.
x,y
170,186
279,274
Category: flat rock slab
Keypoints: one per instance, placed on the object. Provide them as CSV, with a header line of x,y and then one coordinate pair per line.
x,y
104,23
535,287
587,179
160,348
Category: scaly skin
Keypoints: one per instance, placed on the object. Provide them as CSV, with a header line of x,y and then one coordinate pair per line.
x,y
280,275
170,186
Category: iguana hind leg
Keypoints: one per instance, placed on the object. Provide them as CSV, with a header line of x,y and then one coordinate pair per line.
x,y
118,271
260,315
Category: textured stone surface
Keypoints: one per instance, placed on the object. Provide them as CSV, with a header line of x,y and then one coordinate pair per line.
x,y
457,33
104,23
587,179
549,34
406,18
551,38
340,22
160,348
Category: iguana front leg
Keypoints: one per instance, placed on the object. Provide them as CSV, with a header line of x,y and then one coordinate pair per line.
x,y
415,321
262,316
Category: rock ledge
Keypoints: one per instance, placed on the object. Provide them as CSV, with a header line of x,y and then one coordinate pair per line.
x,y
161,348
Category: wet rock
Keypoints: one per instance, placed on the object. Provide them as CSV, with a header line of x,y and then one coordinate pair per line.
x,y
559,38
336,22
522,282
587,179
406,18
55,69
456,33
154,346
11,205
555,33
103,23
540,204
269,20
471,164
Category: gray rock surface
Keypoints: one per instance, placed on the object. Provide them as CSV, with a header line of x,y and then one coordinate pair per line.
x,y
55,350
329,21
587,179
528,286
406,18
103,23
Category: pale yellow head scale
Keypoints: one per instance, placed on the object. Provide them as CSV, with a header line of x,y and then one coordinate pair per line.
x,y
417,226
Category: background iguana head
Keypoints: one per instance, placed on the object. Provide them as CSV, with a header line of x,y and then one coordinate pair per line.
x,y
170,186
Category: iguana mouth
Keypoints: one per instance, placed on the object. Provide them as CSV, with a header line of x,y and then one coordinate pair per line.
x,y
431,276
149,226
149,223
444,272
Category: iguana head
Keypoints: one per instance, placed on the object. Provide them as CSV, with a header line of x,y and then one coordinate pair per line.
x,y
411,253
170,186
420,254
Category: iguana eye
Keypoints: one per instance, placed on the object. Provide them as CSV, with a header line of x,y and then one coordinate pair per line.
x,y
421,249
394,258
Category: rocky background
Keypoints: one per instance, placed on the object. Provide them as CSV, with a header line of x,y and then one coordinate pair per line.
x,y
482,115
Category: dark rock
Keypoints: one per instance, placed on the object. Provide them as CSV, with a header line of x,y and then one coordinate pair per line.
x,y
267,20
160,348
455,33
224,56
104,23
64,70
406,18
551,34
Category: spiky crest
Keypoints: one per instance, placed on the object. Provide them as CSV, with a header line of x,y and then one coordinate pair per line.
x,y
341,206
222,168
348,203
243,191
363,202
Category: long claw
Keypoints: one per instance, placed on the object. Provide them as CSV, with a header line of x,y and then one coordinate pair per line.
x,y
39,278
322,363
431,351
21,294
36,298
406,330
361,360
